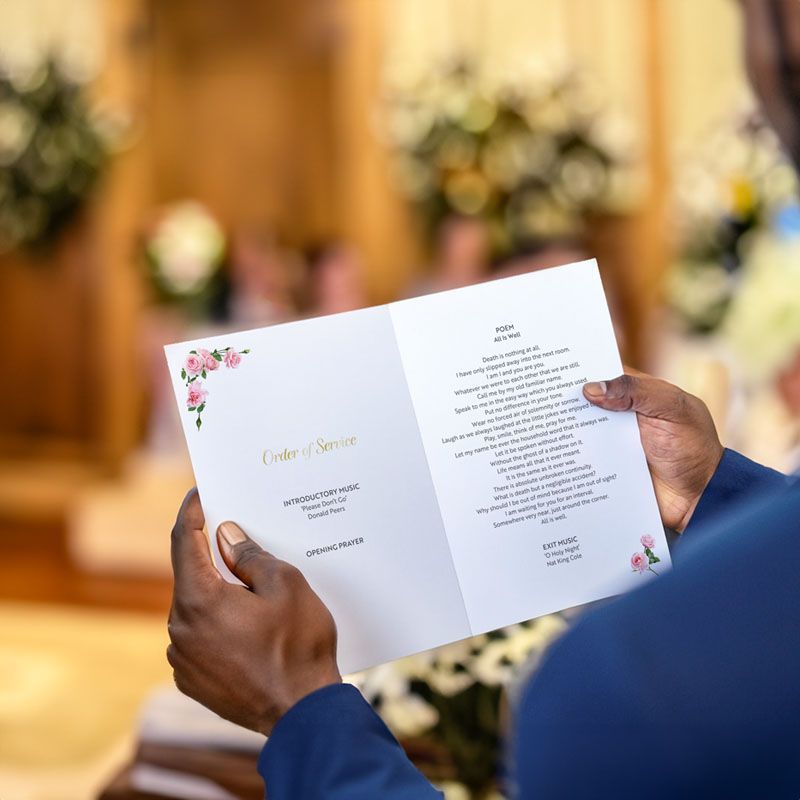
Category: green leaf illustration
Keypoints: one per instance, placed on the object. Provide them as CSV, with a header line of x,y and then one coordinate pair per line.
x,y
203,373
200,407
199,423
192,408
183,374
194,352
245,351
217,356
654,559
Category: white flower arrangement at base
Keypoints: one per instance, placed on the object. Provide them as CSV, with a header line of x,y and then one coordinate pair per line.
x,y
451,698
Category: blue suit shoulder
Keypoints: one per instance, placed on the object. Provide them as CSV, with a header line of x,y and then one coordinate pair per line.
x,y
688,687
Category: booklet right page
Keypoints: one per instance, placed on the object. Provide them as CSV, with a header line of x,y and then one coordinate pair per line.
x,y
546,500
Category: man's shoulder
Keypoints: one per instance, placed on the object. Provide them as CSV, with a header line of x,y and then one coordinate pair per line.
x,y
736,480
699,666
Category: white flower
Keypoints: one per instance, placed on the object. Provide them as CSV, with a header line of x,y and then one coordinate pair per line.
x,y
500,661
386,682
457,652
408,715
449,679
454,791
492,666
187,247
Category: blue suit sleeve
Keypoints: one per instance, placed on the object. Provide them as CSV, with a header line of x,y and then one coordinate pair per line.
x,y
686,687
333,746
736,480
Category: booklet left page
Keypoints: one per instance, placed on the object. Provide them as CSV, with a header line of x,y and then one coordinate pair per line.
x,y
305,435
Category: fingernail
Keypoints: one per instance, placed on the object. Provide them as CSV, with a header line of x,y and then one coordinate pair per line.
x,y
596,389
232,534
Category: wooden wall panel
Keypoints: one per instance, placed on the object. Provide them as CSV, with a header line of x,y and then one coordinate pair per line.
x,y
240,113
47,357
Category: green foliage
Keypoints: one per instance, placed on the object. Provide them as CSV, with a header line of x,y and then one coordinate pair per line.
x,y
528,162
51,154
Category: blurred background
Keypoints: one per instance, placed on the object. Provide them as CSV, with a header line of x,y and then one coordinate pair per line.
x,y
176,168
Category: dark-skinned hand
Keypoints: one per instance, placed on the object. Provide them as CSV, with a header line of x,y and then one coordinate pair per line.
x,y
678,436
249,653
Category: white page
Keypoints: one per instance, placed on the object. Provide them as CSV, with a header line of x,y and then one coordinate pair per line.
x,y
397,579
518,561
394,591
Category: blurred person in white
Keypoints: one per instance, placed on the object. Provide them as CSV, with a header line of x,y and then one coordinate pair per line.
x,y
335,274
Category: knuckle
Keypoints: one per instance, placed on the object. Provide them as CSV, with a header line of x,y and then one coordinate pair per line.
x,y
285,569
696,408
176,630
625,384
189,606
180,683
247,553
288,574
622,388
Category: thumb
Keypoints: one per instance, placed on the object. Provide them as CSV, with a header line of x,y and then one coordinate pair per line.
x,y
247,560
642,393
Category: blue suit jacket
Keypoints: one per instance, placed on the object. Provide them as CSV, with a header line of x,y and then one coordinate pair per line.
x,y
688,687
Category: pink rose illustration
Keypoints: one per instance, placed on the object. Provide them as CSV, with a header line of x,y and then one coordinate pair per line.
x,y
210,362
197,394
643,561
198,364
194,364
232,359
640,562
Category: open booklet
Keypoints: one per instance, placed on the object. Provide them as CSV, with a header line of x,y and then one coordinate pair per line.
x,y
431,465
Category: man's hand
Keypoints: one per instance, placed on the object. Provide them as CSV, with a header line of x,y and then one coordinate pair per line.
x,y
678,435
249,654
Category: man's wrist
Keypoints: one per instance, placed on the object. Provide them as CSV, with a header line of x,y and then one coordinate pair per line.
x,y
735,478
713,461
296,694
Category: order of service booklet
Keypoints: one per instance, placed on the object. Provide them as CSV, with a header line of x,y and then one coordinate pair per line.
x,y
431,465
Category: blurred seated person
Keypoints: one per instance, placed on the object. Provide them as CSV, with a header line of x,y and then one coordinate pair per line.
x,y
461,255
541,255
335,275
264,278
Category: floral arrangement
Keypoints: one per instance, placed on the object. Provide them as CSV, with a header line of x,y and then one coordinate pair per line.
x,y
737,185
762,325
185,250
197,365
52,150
532,160
446,704
642,561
